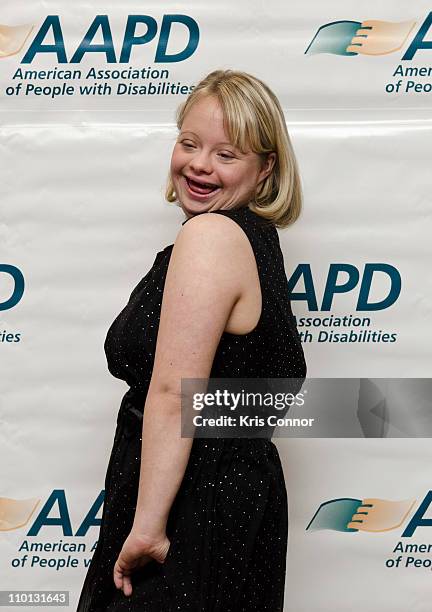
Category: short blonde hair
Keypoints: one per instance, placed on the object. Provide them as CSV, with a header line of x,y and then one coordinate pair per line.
x,y
253,119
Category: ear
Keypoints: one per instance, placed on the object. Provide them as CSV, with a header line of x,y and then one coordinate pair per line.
x,y
267,166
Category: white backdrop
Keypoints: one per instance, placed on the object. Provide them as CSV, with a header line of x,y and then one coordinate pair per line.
x,y
82,215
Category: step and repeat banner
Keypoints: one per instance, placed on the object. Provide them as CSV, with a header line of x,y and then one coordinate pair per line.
x,y
88,95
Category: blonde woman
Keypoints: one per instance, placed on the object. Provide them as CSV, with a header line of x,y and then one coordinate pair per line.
x,y
201,524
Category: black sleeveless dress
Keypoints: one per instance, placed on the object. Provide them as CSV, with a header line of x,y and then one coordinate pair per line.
x,y
228,525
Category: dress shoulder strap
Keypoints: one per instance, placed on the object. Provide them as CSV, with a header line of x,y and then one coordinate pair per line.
x,y
264,240
262,233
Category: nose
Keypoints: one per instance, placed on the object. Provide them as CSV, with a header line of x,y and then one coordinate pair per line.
x,y
201,162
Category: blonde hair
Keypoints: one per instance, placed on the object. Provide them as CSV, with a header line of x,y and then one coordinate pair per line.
x,y
253,118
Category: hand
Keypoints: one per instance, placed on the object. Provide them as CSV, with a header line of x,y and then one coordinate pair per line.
x,y
137,551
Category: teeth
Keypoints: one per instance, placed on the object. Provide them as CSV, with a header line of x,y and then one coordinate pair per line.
x,y
203,184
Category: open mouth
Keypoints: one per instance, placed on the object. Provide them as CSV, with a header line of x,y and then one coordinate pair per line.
x,y
201,188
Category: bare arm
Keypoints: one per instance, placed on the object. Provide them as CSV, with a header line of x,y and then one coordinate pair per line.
x,y
203,283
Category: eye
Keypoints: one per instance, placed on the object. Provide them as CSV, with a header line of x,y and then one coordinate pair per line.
x,y
226,156
187,144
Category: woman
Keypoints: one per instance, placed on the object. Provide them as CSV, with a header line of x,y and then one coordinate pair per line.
x,y
202,524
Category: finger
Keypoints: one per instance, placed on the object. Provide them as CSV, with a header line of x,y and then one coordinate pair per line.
x,y
118,576
358,40
354,525
127,586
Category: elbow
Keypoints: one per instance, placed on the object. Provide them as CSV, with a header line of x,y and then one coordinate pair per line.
x,y
164,397
165,388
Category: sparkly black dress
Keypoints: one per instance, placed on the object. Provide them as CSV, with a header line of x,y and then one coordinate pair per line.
x,y
228,525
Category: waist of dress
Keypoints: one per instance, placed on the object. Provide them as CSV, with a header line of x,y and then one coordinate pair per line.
x,y
131,411
130,417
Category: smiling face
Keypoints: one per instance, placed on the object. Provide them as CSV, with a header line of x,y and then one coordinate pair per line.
x,y
209,173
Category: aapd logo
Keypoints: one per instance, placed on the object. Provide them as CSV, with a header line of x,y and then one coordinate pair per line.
x,y
370,37
14,274
139,30
17,513
373,515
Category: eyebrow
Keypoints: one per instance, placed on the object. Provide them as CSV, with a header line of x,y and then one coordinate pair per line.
x,y
219,143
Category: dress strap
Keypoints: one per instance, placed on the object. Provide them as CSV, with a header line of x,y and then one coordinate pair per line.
x,y
264,240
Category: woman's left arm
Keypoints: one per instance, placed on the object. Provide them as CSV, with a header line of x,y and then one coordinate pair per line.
x,y
204,281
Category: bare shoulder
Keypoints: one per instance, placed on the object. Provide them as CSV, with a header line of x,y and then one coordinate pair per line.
x,y
216,237
204,282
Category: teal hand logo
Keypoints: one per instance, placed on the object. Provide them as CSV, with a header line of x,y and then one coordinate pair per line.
x,y
370,37
370,514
